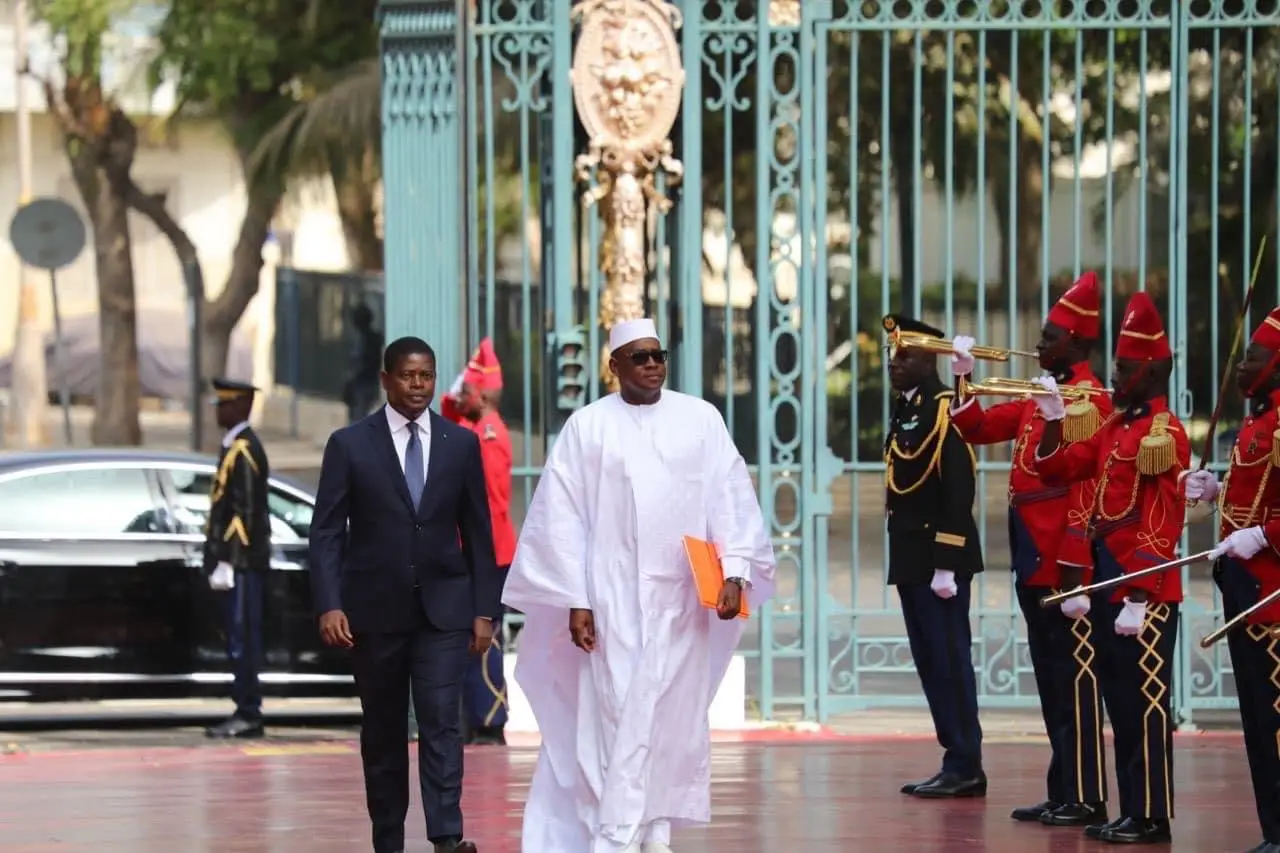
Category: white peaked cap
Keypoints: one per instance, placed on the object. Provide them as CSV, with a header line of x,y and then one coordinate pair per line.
x,y
631,330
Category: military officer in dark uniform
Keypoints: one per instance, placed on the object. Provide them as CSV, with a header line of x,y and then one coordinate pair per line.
x,y
237,551
934,552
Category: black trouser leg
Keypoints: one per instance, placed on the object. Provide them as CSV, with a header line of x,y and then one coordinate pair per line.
x,y
438,660
381,666
1141,713
941,644
1255,660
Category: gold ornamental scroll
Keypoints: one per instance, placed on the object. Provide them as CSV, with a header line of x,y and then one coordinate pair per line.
x,y
627,84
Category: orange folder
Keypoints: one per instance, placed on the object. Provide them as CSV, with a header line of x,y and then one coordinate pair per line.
x,y
708,575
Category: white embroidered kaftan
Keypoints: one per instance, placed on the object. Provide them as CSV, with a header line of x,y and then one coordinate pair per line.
x,y
625,737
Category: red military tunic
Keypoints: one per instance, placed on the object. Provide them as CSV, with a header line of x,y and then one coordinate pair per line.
x,y
498,458
1250,497
1138,510
1055,517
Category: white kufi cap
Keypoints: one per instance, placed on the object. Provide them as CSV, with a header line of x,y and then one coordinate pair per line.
x,y
631,330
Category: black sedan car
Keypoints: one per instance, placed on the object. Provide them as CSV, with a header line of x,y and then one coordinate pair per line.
x,y
102,588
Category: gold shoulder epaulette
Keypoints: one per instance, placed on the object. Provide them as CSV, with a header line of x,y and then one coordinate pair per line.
x,y
1157,452
1275,449
1082,420
943,395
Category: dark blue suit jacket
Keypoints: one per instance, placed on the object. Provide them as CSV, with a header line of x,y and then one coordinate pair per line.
x,y
385,565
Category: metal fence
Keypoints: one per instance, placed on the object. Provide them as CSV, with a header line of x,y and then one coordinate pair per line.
x,y
962,161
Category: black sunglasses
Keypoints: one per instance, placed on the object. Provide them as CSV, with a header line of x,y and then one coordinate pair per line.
x,y
643,356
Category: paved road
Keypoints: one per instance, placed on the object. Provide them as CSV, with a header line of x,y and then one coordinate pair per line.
x,y
768,794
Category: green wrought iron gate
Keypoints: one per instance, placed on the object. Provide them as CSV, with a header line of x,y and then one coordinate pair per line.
x,y
961,160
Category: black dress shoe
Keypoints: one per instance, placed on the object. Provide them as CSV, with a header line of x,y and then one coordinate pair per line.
x,y
1076,814
953,786
236,727
1094,830
1032,814
910,787
454,845
1138,831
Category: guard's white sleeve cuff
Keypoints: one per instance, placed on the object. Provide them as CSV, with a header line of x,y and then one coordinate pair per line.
x,y
736,567
960,408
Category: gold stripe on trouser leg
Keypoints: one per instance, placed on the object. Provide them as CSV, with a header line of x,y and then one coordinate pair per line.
x,y
1263,636
499,693
1154,690
1084,655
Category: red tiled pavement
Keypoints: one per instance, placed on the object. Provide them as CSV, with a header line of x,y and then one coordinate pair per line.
x,y
827,794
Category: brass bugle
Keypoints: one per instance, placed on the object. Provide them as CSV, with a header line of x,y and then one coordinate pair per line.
x,y
1002,387
1209,639
1050,600
943,346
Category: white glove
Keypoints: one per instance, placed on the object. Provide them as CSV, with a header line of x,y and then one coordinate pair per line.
x,y
961,360
944,584
1129,622
1051,405
1076,607
223,577
1200,486
455,390
1241,544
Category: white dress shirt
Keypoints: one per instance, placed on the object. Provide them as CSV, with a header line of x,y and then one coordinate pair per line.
x,y
399,425
234,432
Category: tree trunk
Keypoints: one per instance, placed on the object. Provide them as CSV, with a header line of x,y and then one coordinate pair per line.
x,y
353,183
115,421
1022,234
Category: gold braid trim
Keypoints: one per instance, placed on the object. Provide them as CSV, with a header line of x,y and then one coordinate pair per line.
x,y
236,529
937,436
1082,421
1157,452
238,448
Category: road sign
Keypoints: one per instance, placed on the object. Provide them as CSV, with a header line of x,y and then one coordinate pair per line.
x,y
47,233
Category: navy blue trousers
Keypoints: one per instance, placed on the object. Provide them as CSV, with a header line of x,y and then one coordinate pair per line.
x,y
388,667
1255,658
244,642
941,645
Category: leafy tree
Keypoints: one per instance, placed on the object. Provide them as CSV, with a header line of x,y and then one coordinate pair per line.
x,y
242,61
101,142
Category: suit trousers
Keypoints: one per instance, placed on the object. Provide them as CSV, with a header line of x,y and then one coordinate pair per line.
x,y
941,642
244,642
1255,658
387,666
1063,655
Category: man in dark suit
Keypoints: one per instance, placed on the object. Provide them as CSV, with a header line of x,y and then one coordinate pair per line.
x,y
237,551
403,573
934,553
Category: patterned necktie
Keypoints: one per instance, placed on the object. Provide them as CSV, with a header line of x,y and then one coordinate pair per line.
x,y
413,473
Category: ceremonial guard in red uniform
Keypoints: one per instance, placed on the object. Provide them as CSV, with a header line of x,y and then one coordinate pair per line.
x,y
1138,456
473,402
1248,566
1050,551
